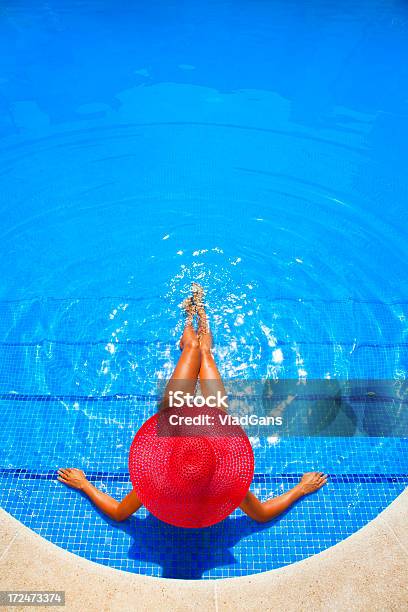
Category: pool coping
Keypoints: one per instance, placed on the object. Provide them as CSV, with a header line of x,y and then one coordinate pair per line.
x,y
367,570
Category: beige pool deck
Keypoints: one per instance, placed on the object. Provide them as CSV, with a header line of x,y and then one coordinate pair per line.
x,y
368,571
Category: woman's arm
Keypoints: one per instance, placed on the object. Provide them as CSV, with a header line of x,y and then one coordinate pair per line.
x,y
265,511
118,511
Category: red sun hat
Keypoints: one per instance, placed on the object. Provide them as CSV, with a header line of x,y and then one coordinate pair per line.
x,y
191,476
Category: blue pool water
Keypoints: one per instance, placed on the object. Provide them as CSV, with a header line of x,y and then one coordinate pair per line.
x,y
258,148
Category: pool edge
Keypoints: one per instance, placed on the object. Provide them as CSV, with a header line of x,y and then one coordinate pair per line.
x,y
343,577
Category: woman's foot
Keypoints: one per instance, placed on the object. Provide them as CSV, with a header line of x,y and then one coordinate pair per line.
x,y
204,333
189,335
198,292
190,309
194,305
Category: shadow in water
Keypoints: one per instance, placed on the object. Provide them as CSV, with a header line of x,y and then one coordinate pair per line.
x,y
186,553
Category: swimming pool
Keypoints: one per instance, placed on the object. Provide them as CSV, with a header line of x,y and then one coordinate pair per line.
x,y
257,149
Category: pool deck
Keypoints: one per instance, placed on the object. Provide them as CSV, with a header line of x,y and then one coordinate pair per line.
x,y
367,571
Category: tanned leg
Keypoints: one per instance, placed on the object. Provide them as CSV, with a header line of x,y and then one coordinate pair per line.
x,y
184,377
210,378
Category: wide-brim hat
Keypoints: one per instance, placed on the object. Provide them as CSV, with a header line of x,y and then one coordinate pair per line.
x,y
191,476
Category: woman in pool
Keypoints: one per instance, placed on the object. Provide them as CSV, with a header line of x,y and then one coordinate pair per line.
x,y
196,362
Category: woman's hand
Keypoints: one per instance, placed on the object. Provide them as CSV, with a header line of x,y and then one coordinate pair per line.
x,y
312,481
118,511
72,477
